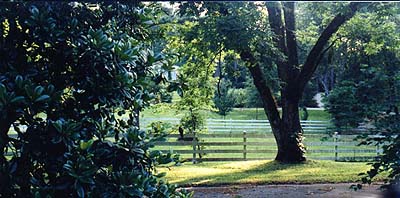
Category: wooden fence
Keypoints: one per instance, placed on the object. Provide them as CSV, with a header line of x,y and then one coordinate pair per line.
x,y
236,140
238,147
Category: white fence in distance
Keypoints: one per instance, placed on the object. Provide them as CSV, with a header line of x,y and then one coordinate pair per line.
x,y
238,126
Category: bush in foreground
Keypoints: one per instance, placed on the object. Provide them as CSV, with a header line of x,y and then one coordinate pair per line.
x,y
66,70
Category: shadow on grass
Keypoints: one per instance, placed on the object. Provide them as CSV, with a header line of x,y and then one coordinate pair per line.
x,y
244,176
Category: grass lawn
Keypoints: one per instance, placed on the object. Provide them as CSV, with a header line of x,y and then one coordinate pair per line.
x,y
235,114
265,172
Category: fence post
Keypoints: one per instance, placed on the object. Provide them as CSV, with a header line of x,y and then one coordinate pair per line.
x,y
194,143
335,139
377,150
230,125
244,145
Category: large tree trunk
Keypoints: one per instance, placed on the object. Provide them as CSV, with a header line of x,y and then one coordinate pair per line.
x,y
290,146
289,136
287,129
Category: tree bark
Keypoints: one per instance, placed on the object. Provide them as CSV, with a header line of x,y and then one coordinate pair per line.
x,y
287,129
291,147
267,98
289,135
269,103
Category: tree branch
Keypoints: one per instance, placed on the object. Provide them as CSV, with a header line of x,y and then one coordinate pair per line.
x,y
311,62
267,98
290,24
277,27
324,51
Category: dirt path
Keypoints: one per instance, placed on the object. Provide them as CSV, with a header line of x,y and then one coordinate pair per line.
x,y
287,191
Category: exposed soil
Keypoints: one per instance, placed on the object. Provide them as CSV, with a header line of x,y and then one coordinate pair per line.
x,y
287,191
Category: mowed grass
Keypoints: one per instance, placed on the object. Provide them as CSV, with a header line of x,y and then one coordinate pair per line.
x,y
235,114
265,172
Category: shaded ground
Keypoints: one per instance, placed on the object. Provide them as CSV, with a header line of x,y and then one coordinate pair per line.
x,y
287,191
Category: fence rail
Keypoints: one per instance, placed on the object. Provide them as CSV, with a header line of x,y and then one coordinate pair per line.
x,y
340,147
238,126
227,141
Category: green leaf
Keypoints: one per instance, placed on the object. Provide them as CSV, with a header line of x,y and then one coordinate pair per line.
x,y
85,145
18,99
39,90
34,10
2,91
19,81
149,22
138,151
57,125
179,91
50,88
79,190
42,98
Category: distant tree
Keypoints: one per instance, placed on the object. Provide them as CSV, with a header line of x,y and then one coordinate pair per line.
x,y
233,70
253,97
308,96
195,83
343,105
367,89
223,98
369,75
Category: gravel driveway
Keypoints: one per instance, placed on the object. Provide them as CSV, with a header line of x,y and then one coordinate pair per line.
x,y
286,191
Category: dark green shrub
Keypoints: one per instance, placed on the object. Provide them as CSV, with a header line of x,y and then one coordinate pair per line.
x,y
343,105
66,70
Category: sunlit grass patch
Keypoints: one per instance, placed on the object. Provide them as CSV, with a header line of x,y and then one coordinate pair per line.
x,y
265,172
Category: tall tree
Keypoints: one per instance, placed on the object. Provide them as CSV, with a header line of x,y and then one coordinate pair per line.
x,y
286,127
241,27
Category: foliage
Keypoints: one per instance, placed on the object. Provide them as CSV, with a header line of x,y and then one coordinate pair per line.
x,y
227,29
253,97
308,95
239,96
368,81
195,76
66,70
369,84
351,102
223,98
233,69
343,105
193,121
389,140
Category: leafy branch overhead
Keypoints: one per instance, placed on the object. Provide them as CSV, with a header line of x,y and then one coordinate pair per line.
x,y
264,36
